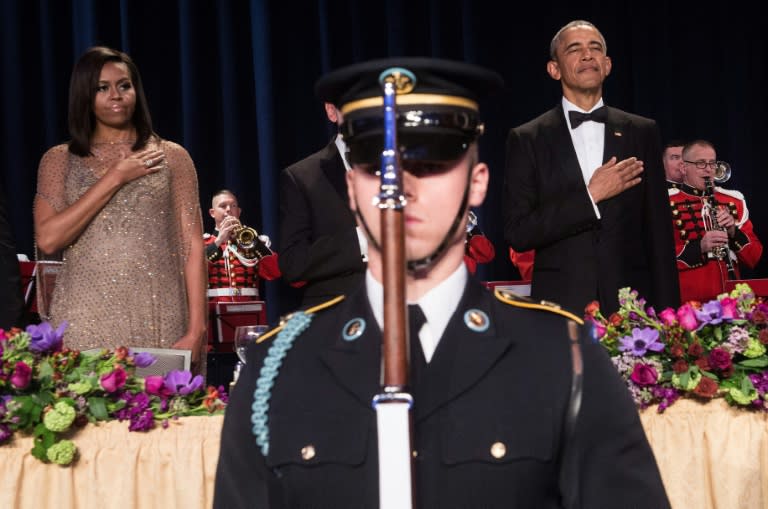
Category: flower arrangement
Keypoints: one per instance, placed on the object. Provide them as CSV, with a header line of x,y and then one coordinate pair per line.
x,y
709,350
50,391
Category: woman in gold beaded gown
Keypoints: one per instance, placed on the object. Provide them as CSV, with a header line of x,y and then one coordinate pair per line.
x,y
121,205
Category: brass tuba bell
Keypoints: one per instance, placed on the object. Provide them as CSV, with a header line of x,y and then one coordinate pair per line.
x,y
722,172
247,241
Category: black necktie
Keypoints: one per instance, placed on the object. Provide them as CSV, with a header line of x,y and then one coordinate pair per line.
x,y
416,321
577,117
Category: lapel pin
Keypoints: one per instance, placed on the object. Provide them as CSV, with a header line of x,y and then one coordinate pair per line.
x,y
353,329
477,320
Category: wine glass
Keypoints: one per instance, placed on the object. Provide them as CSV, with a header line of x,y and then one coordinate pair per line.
x,y
244,336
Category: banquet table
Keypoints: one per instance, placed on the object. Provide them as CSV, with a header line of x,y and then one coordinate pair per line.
x,y
711,456
162,468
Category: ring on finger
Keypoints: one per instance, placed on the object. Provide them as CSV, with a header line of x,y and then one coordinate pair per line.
x,y
148,163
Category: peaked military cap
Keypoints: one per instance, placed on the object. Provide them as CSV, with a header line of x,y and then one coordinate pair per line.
x,y
437,106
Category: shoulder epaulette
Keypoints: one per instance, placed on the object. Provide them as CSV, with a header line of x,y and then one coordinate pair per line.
x,y
521,301
730,192
207,236
673,191
284,319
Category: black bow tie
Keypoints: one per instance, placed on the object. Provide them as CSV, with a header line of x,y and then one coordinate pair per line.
x,y
577,117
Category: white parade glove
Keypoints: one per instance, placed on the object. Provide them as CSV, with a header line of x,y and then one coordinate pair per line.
x,y
265,240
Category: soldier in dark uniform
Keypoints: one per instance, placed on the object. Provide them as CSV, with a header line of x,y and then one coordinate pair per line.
x,y
493,379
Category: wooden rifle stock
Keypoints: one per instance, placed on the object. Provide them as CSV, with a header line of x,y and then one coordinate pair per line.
x,y
393,403
394,348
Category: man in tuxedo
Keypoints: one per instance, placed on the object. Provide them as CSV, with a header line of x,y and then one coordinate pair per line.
x,y
300,430
585,188
321,250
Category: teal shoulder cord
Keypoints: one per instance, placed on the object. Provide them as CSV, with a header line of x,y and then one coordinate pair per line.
x,y
297,324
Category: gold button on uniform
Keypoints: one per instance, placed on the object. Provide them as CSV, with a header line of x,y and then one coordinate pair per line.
x,y
498,450
308,452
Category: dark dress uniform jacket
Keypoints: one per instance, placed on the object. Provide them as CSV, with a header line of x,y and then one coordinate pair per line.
x,y
580,258
318,239
506,388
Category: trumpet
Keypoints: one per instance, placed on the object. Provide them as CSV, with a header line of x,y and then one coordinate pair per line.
x,y
247,241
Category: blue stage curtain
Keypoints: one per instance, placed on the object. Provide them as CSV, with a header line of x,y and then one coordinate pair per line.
x,y
232,81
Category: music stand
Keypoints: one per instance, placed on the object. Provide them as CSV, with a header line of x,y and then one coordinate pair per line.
x,y
230,315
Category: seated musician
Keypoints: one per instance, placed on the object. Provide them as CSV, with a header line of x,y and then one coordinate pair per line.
x,y
713,233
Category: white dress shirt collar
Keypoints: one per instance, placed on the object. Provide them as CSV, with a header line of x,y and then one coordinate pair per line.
x,y
342,150
438,305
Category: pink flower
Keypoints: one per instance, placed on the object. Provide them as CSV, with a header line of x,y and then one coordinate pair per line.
x,y
153,384
113,380
644,374
599,330
687,316
728,308
668,317
21,375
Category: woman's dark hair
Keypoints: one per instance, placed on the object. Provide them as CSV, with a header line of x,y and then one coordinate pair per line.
x,y
82,90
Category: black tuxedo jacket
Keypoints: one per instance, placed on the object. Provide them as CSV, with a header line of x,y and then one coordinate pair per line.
x,y
488,419
580,258
318,240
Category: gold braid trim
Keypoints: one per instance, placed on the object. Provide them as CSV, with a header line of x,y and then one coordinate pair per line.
x,y
524,302
313,309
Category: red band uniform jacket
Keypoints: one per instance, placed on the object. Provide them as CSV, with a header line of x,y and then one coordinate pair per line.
x,y
702,276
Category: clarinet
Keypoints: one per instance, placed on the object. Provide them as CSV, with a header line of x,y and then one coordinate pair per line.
x,y
711,223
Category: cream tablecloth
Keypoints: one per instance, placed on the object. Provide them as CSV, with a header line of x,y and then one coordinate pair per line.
x,y
164,469
711,456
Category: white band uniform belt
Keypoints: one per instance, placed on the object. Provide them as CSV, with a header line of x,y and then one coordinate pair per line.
x,y
233,292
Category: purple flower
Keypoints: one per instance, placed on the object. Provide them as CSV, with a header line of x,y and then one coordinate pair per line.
x,y
44,338
641,341
181,382
22,375
667,395
710,313
143,359
143,421
5,433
